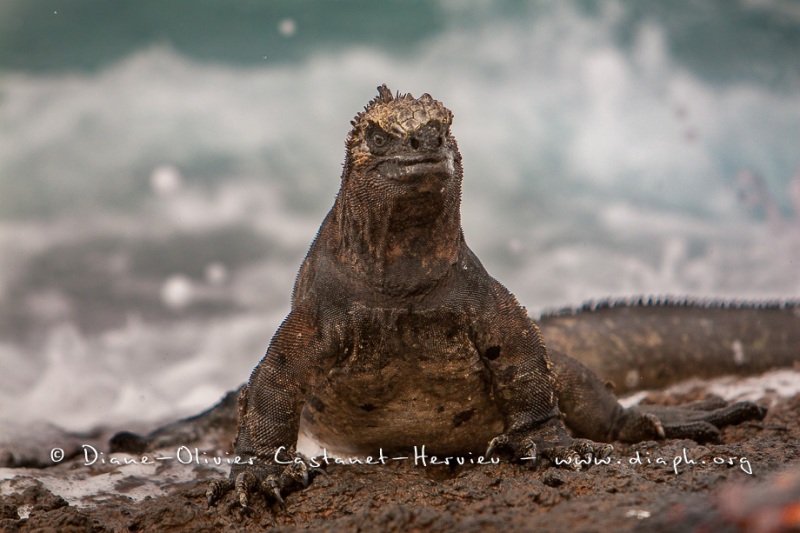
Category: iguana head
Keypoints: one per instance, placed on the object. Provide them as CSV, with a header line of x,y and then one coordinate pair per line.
x,y
397,217
402,140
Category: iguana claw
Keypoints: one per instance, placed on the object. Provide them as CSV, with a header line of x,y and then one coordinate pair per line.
x,y
272,487
297,472
270,482
526,449
532,454
244,483
217,490
497,442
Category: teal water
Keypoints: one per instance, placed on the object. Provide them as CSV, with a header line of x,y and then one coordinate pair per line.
x,y
164,166
725,47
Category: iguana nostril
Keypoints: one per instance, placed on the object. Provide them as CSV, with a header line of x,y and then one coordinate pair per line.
x,y
415,143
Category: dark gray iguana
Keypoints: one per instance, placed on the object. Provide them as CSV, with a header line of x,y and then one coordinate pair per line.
x,y
398,337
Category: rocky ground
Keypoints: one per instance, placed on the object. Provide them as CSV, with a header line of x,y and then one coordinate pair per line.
x,y
749,483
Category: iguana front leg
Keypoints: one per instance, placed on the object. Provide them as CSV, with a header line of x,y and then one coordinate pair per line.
x,y
592,410
269,411
524,383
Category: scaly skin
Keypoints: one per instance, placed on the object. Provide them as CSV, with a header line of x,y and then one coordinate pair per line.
x,y
653,342
398,337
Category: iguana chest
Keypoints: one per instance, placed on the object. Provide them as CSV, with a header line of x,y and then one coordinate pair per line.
x,y
407,378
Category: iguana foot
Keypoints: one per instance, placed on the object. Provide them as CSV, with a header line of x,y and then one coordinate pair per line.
x,y
272,484
699,421
566,452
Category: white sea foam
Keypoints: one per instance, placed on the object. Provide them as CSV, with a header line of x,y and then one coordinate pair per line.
x,y
591,170
776,383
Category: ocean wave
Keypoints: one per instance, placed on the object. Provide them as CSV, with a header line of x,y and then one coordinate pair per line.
x,y
154,213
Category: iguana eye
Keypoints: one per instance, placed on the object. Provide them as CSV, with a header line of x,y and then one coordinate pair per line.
x,y
379,139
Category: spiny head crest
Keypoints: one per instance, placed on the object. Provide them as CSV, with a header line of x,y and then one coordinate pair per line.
x,y
400,115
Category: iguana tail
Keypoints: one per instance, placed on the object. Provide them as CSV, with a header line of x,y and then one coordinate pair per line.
x,y
652,342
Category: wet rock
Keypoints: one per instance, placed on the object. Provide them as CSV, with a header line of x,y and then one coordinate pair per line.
x,y
639,490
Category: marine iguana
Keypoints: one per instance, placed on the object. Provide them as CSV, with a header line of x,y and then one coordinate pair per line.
x,y
398,337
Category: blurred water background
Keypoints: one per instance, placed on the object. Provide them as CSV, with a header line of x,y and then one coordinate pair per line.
x,y
165,165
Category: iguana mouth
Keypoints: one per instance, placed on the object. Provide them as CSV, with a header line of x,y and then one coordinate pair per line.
x,y
411,169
